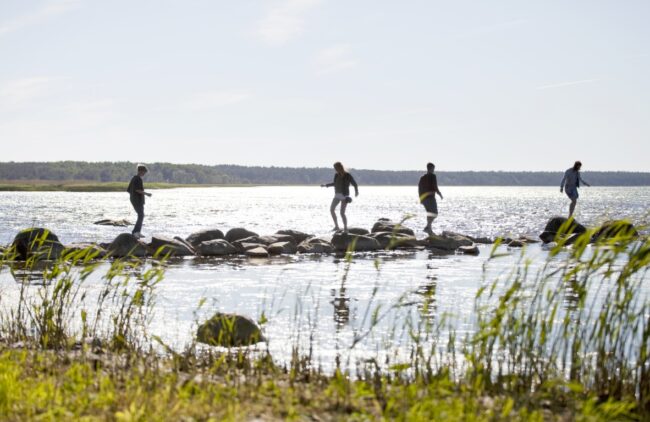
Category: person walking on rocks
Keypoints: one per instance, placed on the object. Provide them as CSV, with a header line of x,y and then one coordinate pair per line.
x,y
570,184
341,183
428,188
136,190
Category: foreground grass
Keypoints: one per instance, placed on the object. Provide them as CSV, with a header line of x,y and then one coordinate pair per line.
x,y
567,342
88,186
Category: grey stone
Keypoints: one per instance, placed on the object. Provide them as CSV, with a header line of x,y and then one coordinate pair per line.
x,y
315,245
343,241
389,240
554,224
258,252
238,234
469,250
358,231
280,248
216,247
386,225
163,246
445,243
116,223
297,236
229,330
203,236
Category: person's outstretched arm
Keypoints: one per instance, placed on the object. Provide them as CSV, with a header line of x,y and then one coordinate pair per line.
x,y
583,180
356,187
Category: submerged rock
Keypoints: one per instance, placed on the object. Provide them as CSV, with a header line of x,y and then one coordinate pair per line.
x,y
229,330
110,222
482,240
469,250
216,247
126,245
238,234
163,246
444,243
37,242
203,236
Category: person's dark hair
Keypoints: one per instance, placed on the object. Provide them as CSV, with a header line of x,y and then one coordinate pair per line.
x,y
430,166
577,165
339,167
142,167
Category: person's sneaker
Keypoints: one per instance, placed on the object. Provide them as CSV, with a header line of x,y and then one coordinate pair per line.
x,y
138,235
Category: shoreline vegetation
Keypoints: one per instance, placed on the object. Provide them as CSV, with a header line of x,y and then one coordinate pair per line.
x,y
93,186
65,175
566,342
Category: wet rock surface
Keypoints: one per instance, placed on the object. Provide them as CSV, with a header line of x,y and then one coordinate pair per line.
x,y
229,330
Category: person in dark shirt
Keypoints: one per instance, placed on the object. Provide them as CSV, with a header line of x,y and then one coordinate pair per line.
x,y
341,183
428,188
137,193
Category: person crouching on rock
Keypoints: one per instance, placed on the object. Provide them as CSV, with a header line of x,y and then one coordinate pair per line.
x,y
570,184
136,190
427,188
341,183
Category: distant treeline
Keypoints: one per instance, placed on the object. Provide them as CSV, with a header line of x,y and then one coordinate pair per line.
x,y
231,174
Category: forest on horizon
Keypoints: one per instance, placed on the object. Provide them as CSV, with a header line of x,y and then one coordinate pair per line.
x,y
257,175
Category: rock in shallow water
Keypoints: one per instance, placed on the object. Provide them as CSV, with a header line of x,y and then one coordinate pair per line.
x,y
280,248
203,236
238,234
344,241
386,225
229,330
126,245
216,247
315,245
37,242
163,246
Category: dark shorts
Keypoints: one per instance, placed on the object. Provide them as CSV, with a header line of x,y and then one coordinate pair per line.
x,y
430,204
571,192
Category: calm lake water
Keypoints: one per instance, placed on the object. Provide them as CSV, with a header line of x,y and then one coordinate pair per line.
x,y
322,297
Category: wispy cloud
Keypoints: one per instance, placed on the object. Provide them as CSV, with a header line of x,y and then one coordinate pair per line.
x,y
568,83
47,11
285,20
334,59
18,92
210,100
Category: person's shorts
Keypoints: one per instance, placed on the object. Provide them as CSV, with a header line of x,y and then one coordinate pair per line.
x,y
571,192
339,197
430,205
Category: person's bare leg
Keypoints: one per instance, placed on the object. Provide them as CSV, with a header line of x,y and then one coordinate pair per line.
x,y
335,202
430,217
572,207
344,205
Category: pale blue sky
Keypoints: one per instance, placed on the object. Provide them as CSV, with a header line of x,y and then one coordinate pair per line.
x,y
470,85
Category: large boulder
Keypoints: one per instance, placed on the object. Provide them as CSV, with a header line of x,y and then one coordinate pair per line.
x,y
360,243
37,242
554,224
390,240
358,231
315,245
229,330
238,234
216,247
280,248
203,236
613,229
126,245
386,225
298,236
162,246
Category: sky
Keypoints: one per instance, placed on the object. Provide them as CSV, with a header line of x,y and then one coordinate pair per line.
x,y
469,85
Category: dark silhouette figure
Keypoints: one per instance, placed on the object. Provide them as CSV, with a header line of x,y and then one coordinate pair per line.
x,y
428,188
341,183
570,184
136,190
